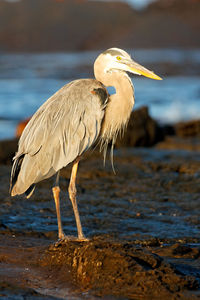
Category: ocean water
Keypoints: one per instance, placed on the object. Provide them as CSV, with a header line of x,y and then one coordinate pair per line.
x,y
27,80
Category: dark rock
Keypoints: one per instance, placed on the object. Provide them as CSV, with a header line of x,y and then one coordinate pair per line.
x,y
183,135
174,142
7,150
142,130
188,129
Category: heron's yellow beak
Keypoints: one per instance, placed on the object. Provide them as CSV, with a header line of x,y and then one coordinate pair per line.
x,y
135,68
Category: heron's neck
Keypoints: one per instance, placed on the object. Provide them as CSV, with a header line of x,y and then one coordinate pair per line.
x,y
120,104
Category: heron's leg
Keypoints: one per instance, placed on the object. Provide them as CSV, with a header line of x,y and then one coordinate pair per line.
x,y
72,196
56,192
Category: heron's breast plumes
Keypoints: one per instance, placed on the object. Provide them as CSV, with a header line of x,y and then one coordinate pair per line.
x,y
115,121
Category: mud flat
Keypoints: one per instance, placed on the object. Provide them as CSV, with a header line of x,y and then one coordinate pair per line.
x,y
100,267
143,225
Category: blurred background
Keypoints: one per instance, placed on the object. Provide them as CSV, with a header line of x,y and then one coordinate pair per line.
x,y
45,44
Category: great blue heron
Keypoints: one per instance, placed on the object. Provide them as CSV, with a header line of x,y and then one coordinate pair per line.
x,y
80,114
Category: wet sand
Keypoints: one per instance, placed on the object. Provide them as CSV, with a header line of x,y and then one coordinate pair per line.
x,y
143,224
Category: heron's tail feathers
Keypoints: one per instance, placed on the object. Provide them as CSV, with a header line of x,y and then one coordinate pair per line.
x,y
30,191
14,173
18,187
16,190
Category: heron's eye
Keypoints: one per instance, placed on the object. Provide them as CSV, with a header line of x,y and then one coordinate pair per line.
x,y
118,57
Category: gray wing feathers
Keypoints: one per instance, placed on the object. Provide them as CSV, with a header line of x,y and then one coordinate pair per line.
x,y
65,126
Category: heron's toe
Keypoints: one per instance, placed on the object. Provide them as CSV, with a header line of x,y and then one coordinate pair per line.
x,y
69,238
82,238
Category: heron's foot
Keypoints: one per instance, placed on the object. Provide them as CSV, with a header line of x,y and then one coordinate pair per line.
x,y
61,236
69,238
82,238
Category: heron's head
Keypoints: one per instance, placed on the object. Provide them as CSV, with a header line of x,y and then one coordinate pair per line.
x,y
115,59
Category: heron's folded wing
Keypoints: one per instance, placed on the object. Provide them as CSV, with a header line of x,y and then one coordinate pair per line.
x,y
64,127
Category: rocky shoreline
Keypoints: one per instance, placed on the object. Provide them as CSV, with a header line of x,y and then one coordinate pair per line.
x,y
143,224
98,268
